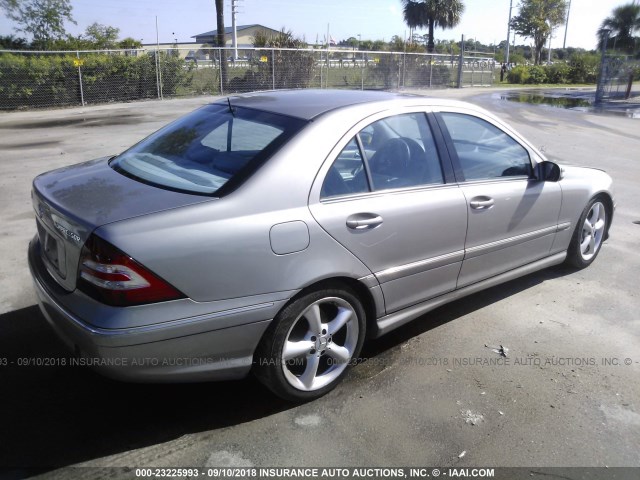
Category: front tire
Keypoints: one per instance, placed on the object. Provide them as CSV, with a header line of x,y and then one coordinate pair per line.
x,y
308,348
589,234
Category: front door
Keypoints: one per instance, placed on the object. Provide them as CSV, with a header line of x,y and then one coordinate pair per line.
x,y
512,216
383,196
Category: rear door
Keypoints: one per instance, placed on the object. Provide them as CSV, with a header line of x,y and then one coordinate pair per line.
x,y
384,195
512,216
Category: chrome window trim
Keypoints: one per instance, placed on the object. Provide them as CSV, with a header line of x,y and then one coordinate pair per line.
x,y
514,178
316,187
391,191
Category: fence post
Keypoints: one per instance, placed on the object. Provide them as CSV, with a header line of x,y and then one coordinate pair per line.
x,y
404,63
328,65
273,69
160,76
603,67
80,79
220,70
156,61
460,61
362,75
321,69
430,70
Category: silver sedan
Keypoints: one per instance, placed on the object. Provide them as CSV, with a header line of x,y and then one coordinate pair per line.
x,y
274,232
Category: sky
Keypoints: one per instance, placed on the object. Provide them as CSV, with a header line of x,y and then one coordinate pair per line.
x,y
484,20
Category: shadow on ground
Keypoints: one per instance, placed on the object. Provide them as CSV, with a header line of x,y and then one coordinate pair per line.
x,y
56,416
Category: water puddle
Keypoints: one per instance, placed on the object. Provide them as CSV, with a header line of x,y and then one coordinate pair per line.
x,y
571,100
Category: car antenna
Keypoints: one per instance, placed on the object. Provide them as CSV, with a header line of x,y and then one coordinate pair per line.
x,y
231,109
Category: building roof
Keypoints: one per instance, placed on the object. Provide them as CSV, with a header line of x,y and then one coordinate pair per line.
x,y
229,30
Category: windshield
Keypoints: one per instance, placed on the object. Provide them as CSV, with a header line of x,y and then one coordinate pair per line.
x,y
208,151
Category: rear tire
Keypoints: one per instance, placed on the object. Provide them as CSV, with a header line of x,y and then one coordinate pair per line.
x,y
589,234
309,346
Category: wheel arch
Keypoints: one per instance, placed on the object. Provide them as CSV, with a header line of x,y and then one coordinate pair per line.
x,y
358,288
607,199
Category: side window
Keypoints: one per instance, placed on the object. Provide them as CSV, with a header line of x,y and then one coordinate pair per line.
x,y
485,151
402,153
398,152
346,175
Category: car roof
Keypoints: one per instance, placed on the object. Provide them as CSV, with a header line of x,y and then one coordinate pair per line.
x,y
308,104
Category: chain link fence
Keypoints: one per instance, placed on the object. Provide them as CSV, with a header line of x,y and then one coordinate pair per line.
x,y
616,77
46,79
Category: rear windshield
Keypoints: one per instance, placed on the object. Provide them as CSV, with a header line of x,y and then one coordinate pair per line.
x,y
209,151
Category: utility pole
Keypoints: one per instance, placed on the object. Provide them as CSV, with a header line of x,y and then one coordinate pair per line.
x,y
506,61
234,11
566,27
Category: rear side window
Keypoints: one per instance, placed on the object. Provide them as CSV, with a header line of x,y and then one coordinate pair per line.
x,y
208,151
485,151
395,152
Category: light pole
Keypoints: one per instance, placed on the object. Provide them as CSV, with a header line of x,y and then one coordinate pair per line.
x,y
566,27
234,30
549,48
508,32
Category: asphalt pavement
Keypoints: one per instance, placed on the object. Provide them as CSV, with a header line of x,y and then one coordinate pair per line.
x,y
568,394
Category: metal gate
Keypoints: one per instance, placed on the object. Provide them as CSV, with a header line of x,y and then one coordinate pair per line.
x,y
616,78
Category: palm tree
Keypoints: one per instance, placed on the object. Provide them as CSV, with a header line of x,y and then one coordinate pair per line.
x,y
432,13
220,40
622,24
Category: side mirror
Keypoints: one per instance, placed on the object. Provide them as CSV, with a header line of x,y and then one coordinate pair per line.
x,y
549,172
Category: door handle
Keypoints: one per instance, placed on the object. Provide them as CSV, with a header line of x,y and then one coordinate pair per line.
x,y
363,221
481,203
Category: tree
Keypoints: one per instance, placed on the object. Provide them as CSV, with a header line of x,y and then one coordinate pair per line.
x,y
129,43
102,36
536,20
431,14
42,19
220,40
622,24
396,44
351,42
291,68
11,42
8,5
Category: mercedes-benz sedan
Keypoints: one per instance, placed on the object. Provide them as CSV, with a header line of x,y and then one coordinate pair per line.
x,y
274,232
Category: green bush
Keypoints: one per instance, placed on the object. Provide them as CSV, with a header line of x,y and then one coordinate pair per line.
x,y
32,80
537,74
277,68
519,74
558,73
583,67
387,71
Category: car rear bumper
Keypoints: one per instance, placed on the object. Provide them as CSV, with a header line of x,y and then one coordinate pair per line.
x,y
185,350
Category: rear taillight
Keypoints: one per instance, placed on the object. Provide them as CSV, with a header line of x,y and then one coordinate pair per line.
x,y
114,278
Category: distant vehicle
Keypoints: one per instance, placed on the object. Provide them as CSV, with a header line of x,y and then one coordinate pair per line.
x,y
274,232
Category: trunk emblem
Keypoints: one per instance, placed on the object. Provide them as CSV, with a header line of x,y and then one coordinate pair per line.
x,y
67,233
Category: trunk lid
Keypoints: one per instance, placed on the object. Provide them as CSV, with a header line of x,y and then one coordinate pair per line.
x,y
73,201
